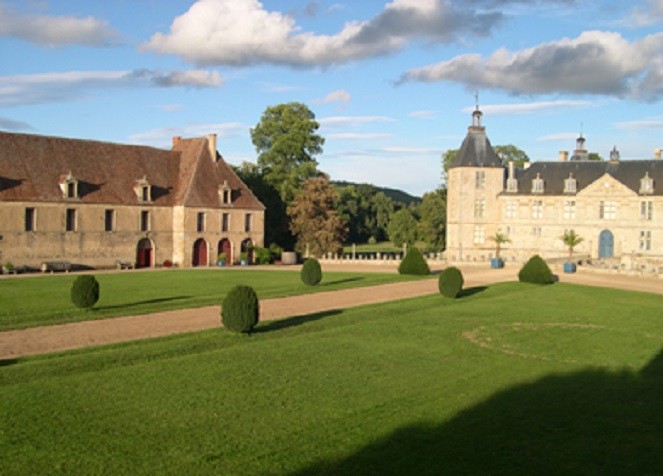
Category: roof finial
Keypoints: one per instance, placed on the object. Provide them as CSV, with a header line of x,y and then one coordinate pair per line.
x,y
581,128
476,100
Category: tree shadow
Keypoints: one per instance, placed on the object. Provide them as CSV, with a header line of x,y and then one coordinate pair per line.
x,y
467,292
139,303
344,280
8,362
281,324
588,422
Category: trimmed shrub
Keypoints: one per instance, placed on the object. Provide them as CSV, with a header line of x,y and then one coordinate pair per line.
x,y
240,310
414,263
536,271
85,291
451,282
311,272
262,256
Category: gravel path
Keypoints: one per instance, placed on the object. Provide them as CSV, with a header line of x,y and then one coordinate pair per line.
x,y
39,340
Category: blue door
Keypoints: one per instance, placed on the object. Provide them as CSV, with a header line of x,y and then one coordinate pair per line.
x,y
606,244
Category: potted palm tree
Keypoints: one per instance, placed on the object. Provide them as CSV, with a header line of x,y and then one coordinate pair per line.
x,y
571,239
244,258
222,259
499,239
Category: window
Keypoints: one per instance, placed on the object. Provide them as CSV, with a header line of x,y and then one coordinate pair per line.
x,y
479,207
646,210
144,220
225,221
645,241
511,185
200,222
247,222
570,184
70,219
69,186
109,220
225,193
478,235
646,184
29,219
145,194
480,179
143,190
537,209
607,210
511,209
536,231
537,184
569,209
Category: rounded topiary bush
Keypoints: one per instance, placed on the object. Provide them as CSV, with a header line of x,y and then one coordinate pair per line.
x,y
85,291
451,282
240,310
311,272
536,271
414,263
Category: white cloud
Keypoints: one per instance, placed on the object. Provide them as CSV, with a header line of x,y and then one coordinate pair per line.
x,y
641,124
51,87
351,121
12,125
276,88
339,95
55,30
529,108
243,32
647,15
423,114
596,62
358,136
162,137
560,136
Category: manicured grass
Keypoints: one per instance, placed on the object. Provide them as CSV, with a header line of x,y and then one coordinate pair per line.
x,y
29,302
509,379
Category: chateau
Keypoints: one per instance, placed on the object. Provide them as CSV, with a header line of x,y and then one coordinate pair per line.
x,y
100,204
615,206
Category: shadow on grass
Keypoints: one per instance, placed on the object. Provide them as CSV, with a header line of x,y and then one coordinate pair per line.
x,y
588,422
140,303
281,324
7,362
471,291
339,281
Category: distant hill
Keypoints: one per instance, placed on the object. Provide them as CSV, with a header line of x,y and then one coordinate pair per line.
x,y
394,194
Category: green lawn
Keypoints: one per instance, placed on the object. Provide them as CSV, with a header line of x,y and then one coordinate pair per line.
x,y
509,379
45,300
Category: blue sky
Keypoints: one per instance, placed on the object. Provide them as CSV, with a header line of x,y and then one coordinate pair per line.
x,y
391,82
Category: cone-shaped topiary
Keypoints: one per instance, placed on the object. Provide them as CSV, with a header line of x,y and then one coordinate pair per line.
x,y
414,263
240,310
536,271
311,272
85,291
451,282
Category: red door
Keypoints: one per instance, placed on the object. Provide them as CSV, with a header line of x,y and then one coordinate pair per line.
x,y
144,254
200,253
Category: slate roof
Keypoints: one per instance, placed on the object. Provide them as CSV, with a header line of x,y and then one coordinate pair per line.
x,y
476,151
628,172
31,168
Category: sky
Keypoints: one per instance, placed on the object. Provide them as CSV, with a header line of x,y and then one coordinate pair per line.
x,y
392,83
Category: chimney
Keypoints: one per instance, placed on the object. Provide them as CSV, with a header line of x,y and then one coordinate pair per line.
x,y
526,165
657,153
176,140
512,169
563,155
211,144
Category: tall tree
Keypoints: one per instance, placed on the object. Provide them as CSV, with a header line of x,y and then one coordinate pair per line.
x,y
286,142
383,207
510,153
403,227
314,219
432,223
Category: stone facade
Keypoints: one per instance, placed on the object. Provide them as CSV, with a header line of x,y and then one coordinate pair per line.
x,y
615,206
99,204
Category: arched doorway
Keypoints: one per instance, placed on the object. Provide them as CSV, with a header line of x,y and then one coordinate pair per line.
x,y
226,247
199,253
144,253
606,244
247,247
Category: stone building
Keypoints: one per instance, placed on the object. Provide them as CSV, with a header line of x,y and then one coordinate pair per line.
x,y
615,206
99,204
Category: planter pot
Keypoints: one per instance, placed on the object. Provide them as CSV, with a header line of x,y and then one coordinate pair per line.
x,y
496,263
221,263
243,262
569,267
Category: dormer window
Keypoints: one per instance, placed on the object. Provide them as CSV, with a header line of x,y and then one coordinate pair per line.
x,y
143,190
570,184
69,186
537,184
225,193
646,185
511,185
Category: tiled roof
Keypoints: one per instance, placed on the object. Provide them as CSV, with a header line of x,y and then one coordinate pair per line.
x,y
476,151
628,172
32,167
